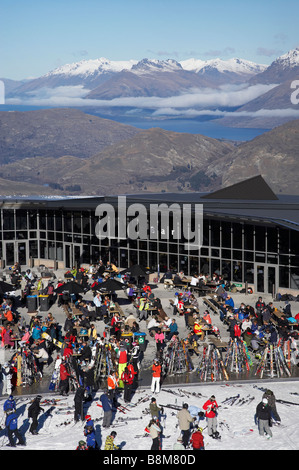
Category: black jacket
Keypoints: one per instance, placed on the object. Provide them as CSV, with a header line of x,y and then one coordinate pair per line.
x,y
263,411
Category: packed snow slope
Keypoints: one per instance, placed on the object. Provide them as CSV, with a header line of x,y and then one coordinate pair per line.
x,y
236,425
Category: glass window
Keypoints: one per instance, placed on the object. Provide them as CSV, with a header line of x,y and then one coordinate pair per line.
x,y
32,220
206,241
272,239
67,220
226,234
294,278
294,242
226,269
284,242
58,220
21,219
260,238
173,263
43,249
153,264
283,276
143,258
237,271
248,237
237,235
42,220
215,233
77,222
8,219
86,222
51,220
249,273
215,266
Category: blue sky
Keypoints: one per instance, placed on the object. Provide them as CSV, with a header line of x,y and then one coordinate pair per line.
x,y
37,36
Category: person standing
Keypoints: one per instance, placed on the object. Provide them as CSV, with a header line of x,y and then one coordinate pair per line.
x,y
127,379
112,383
155,409
263,417
210,407
156,377
155,431
107,409
11,424
78,401
196,439
185,420
272,403
64,378
33,412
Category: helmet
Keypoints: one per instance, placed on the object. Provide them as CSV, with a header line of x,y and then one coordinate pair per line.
x,y
113,433
87,417
82,443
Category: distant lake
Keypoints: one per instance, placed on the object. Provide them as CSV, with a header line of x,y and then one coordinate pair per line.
x,y
208,127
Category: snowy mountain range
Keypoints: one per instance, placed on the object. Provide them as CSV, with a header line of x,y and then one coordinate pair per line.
x,y
191,85
92,73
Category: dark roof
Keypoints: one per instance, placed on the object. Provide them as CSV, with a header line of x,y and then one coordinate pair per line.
x,y
254,188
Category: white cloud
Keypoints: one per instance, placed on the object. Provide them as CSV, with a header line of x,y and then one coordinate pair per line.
x,y
227,96
197,102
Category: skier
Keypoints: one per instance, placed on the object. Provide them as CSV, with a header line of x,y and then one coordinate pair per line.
x,y
11,424
89,433
107,408
185,420
196,439
263,417
210,407
109,444
272,403
78,401
155,431
156,376
154,408
33,412
9,405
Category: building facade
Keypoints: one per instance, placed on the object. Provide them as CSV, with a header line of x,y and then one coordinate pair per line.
x,y
254,241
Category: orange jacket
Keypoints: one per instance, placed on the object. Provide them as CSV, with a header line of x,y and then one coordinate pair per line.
x,y
8,315
112,382
156,370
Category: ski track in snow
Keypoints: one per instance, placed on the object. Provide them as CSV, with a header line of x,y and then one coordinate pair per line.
x,y
234,420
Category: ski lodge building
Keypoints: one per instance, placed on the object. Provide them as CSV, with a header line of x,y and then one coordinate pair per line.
x,y
249,234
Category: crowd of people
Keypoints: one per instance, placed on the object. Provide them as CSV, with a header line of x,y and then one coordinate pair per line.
x,y
78,341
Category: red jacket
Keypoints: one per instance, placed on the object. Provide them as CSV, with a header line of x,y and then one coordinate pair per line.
x,y
64,374
197,440
210,408
127,377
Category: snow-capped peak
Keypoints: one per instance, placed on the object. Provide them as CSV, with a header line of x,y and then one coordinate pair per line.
x,y
92,66
290,59
234,65
155,65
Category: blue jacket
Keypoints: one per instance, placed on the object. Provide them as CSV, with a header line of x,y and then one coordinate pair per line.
x,y
106,403
9,405
11,421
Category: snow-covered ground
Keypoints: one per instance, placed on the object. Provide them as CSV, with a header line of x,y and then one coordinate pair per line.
x,y
236,425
